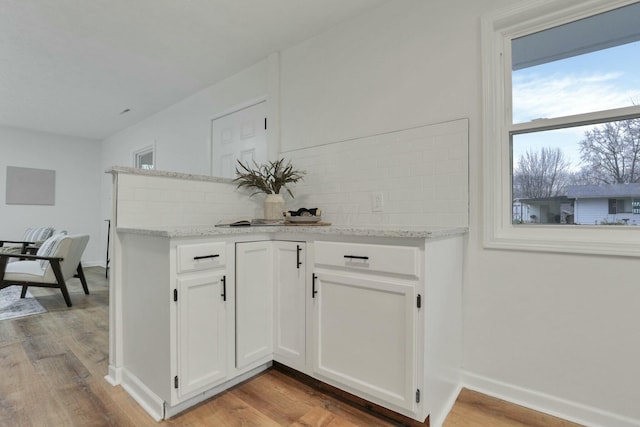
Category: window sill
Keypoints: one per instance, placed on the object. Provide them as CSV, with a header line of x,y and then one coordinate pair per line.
x,y
572,239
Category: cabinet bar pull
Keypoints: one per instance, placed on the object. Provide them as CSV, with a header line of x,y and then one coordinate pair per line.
x,y
196,258
313,286
356,257
298,263
224,288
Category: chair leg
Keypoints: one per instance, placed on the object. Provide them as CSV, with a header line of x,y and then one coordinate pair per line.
x,y
83,279
55,264
24,291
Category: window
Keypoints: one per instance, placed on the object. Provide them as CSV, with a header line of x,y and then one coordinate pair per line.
x,y
144,158
560,87
620,206
616,206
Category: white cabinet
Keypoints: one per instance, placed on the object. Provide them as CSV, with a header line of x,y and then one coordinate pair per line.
x,y
270,303
177,308
254,303
365,321
377,319
202,332
289,298
201,314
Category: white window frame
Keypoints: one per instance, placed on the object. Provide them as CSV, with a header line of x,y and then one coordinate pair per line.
x,y
498,29
141,152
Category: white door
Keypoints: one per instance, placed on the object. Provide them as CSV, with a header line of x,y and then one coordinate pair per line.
x,y
240,135
289,303
254,303
364,337
202,336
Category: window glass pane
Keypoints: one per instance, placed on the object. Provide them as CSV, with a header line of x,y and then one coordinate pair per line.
x,y
143,159
580,67
585,175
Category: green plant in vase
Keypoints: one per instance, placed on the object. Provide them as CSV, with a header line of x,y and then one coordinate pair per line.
x,y
269,178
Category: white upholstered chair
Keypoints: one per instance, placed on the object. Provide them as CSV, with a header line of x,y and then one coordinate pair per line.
x,y
57,260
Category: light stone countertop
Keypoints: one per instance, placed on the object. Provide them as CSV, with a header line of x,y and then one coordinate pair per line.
x,y
421,232
166,174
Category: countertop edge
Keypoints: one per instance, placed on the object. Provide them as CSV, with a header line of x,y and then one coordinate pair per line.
x,y
167,174
429,233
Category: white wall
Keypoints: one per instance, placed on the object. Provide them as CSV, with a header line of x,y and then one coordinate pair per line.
x,y
76,162
555,331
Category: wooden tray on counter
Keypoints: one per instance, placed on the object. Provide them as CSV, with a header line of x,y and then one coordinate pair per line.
x,y
306,224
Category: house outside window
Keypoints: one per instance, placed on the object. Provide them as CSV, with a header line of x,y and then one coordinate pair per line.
x,y
559,85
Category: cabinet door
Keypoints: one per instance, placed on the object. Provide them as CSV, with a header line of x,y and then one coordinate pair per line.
x,y
254,303
202,335
289,303
364,337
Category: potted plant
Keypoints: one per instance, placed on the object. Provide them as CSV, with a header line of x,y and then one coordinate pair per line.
x,y
269,178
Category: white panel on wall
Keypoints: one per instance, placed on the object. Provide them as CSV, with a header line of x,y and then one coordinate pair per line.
x,y
29,186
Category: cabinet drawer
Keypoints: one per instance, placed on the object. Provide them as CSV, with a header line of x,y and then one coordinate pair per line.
x,y
365,257
201,256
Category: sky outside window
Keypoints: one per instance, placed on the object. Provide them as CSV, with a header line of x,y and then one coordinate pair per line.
x,y
595,81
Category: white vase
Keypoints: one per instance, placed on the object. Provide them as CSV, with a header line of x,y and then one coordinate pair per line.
x,y
273,206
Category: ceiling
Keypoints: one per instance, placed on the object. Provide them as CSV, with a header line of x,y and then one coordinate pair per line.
x,y
71,67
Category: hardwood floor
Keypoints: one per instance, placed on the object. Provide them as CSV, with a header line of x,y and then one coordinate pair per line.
x,y
53,364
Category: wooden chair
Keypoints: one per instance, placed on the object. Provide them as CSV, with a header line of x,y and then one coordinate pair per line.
x,y
57,260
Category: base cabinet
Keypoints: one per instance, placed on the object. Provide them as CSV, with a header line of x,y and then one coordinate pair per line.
x,y
270,303
254,303
365,337
289,338
379,321
202,332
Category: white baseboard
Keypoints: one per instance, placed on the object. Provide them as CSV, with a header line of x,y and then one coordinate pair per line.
x,y
87,264
549,404
114,376
437,420
149,401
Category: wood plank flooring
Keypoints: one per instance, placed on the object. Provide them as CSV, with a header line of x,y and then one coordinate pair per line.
x,y
52,368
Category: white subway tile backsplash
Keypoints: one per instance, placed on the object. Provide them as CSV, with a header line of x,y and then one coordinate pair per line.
x,y
159,201
422,173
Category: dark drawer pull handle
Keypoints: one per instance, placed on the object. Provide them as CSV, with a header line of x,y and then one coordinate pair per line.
x,y
196,258
356,257
298,262
224,288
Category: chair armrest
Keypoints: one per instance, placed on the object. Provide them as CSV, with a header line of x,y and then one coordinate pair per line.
x,y
31,250
21,242
30,257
